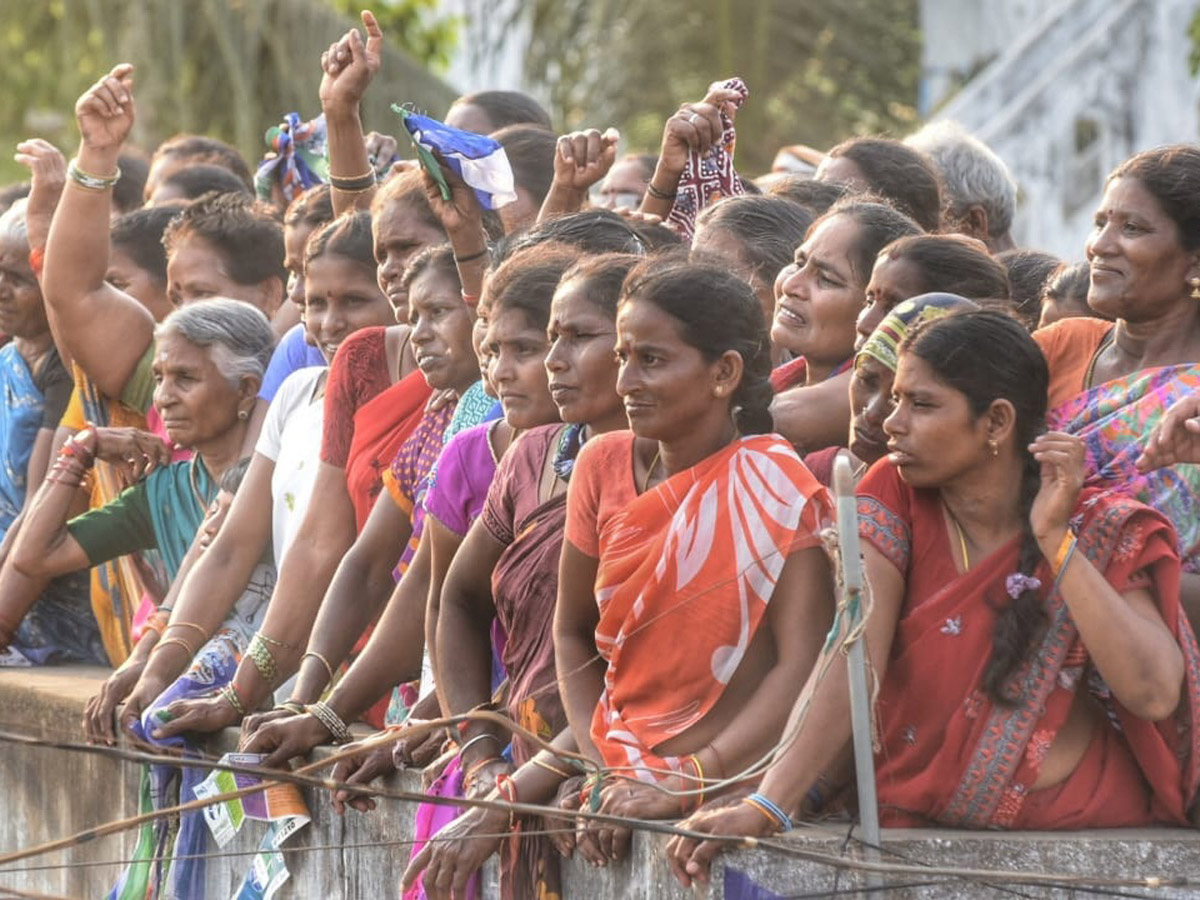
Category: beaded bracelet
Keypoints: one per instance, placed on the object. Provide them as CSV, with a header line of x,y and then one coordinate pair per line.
x,y
260,655
90,182
767,807
230,695
333,723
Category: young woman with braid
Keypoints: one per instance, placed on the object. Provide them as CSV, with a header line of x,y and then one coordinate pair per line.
x,y
1037,670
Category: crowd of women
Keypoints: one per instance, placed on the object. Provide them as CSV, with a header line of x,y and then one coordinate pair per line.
x,y
295,455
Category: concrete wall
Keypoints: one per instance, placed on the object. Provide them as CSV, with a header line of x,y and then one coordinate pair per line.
x,y
49,793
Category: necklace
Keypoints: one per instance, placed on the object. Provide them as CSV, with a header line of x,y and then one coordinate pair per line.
x,y
195,487
650,471
962,539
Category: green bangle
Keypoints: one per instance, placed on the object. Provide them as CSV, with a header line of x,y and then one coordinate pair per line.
x,y
91,182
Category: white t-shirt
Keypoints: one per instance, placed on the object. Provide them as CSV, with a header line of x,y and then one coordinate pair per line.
x,y
291,437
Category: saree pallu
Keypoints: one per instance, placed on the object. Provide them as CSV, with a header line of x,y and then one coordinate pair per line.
x,y
117,586
169,853
950,755
179,496
1113,420
525,588
381,426
698,555
20,419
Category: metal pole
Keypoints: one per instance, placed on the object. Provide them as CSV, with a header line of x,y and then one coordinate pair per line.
x,y
860,704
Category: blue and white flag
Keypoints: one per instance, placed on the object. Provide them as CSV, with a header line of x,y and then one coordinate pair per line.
x,y
478,159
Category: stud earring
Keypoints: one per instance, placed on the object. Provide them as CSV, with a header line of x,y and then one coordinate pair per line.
x,y
243,415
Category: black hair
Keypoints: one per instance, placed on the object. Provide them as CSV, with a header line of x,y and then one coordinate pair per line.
x,y
408,188
815,196
526,281
1069,284
250,240
231,478
768,228
201,149
602,277
438,258
590,231
901,175
657,237
313,208
878,224
950,265
348,235
198,180
987,356
1172,175
1028,272
530,150
717,312
139,235
127,192
504,108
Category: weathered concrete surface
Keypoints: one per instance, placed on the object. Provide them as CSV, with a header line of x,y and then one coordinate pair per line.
x,y
48,794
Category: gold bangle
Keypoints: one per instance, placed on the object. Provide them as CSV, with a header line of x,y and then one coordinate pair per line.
x,y
274,642
542,764
322,660
260,655
229,692
204,635
180,641
1064,549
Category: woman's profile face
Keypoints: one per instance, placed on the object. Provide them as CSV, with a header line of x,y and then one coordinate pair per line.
x,y
870,405
892,282
665,382
21,311
195,401
932,435
441,331
400,233
1139,269
126,275
580,362
819,295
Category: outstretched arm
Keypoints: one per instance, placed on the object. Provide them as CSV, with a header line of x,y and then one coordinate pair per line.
x,y
105,330
581,159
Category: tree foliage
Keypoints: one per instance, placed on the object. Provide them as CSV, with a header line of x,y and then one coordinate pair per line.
x,y
818,70
228,68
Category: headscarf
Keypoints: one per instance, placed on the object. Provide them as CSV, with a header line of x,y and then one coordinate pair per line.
x,y
884,343
295,158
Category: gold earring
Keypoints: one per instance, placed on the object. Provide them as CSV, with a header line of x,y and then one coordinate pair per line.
x,y
994,447
1195,283
719,391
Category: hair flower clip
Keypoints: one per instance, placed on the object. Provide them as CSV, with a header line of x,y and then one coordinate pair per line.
x,y
1016,584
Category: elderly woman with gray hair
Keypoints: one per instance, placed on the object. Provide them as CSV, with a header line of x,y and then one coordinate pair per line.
x,y
208,365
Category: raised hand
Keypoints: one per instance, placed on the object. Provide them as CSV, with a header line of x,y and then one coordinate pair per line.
x,y
695,127
105,112
1176,438
583,158
461,216
1062,457
349,65
48,172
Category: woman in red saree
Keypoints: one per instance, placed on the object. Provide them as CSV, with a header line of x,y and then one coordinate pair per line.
x,y
1036,668
699,522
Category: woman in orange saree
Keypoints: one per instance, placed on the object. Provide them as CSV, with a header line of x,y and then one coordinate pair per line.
x,y
693,565
1036,668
